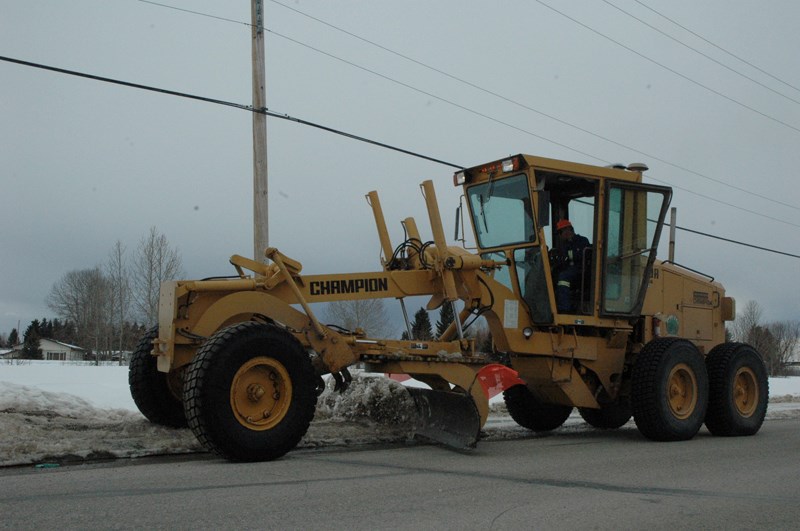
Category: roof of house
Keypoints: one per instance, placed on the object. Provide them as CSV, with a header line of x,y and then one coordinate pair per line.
x,y
73,347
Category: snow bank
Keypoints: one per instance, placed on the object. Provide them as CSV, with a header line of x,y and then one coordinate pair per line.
x,y
56,412
37,426
104,386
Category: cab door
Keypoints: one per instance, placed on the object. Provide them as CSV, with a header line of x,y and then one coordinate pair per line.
x,y
634,216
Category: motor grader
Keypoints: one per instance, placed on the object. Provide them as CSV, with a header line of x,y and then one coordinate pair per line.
x,y
241,359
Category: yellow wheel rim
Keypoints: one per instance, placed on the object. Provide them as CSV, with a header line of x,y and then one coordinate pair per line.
x,y
745,391
682,391
261,392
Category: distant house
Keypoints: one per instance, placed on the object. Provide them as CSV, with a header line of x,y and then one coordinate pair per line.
x,y
56,350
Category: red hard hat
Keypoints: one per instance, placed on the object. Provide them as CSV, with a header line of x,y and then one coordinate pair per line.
x,y
563,224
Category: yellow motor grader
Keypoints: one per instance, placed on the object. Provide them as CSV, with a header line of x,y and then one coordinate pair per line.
x,y
601,326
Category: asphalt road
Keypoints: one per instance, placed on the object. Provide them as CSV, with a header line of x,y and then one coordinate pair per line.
x,y
605,480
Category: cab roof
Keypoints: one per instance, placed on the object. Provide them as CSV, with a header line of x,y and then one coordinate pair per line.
x,y
523,162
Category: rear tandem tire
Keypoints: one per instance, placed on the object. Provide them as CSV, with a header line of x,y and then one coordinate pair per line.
x,y
150,388
530,413
738,390
669,390
250,392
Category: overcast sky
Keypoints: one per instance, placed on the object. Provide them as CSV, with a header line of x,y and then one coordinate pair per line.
x,y
84,163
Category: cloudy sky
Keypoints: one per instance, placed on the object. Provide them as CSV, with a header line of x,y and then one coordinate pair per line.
x,y
84,164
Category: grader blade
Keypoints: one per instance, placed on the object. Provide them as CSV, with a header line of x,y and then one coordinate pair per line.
x,y
446,417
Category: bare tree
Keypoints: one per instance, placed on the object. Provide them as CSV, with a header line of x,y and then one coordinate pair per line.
x,y
746,322
119,292
154,262
776,342
784,340
367,314
81,297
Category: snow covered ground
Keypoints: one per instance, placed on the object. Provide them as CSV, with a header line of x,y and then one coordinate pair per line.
x,y
56,412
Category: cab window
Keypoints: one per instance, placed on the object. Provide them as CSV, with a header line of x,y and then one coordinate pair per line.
x,y
501,212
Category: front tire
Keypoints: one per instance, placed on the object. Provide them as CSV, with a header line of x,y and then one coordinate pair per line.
x,y
669,390
528,412
156,394
250,392
738,390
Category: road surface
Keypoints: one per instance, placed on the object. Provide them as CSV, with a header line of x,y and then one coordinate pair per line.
x,y
605,480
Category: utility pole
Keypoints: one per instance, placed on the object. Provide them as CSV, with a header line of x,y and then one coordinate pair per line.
x,y
260,194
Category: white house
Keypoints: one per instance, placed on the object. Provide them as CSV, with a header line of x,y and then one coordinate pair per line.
x,y
56,350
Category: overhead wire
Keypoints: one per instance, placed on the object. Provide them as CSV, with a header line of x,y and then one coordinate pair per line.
x,y
720,63
273,114
486,91
737,242
482,115
720,48
534,110
175,8
440,98
528,132
672,70
249,108
519,129
714,199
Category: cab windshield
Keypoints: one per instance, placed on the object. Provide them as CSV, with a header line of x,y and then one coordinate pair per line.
x,y
501,212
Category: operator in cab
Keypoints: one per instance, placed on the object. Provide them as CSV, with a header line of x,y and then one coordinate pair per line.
x,y
568,264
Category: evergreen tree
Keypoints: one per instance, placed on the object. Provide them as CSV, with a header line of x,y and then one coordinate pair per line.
x,y
446,317
421,325
13,338
30,348
45,328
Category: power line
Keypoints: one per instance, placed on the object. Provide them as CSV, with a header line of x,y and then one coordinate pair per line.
x,y
737,242
745,61
406,85
196,13
487,91
228,104
720,63
296,120
517,128
440,98
672,70
742,209
532,109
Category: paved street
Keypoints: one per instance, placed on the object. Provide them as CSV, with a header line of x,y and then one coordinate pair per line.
x,y
569,480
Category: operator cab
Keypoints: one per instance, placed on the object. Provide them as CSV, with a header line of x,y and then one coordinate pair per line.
x,y
516,206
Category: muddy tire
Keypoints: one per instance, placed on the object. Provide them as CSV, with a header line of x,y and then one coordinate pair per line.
x,y
670,390
738,390
151,391
610,417
250,392
529,413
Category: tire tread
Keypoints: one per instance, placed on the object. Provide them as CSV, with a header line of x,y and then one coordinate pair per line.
x,y
198,403
149,388
529,413
721,418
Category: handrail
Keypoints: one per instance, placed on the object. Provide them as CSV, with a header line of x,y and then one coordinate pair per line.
x,y
689,269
